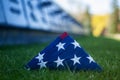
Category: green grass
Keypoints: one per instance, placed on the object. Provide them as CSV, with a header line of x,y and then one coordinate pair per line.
x,y
106,52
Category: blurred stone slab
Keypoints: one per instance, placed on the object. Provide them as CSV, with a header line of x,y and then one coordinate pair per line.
x,y
14,13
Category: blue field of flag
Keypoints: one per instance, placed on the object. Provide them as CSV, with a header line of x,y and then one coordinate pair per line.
x,y
63,53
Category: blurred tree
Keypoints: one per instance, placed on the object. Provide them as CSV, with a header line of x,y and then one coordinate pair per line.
x,y
115,17
86,21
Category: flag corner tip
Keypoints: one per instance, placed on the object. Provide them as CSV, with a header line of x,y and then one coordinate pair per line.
x,y
63,35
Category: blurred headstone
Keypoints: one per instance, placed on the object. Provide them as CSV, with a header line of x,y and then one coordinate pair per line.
x,y
76,8
2,18
47,15
34,15
14,12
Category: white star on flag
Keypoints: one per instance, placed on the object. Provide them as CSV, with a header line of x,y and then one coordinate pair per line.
x,y
76,44
90,59
75,60
42,64
59,62
60,46
40,56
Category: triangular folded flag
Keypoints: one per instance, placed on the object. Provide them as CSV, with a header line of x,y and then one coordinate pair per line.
x,y
63,53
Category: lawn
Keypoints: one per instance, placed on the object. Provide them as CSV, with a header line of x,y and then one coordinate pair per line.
x,y
106,52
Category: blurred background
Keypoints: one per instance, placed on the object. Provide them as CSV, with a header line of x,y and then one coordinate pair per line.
x,y
33,21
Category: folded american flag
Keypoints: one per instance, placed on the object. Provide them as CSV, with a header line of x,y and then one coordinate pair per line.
x,y
63,53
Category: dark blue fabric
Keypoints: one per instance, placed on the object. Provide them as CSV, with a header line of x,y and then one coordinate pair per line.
x,y
51,54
